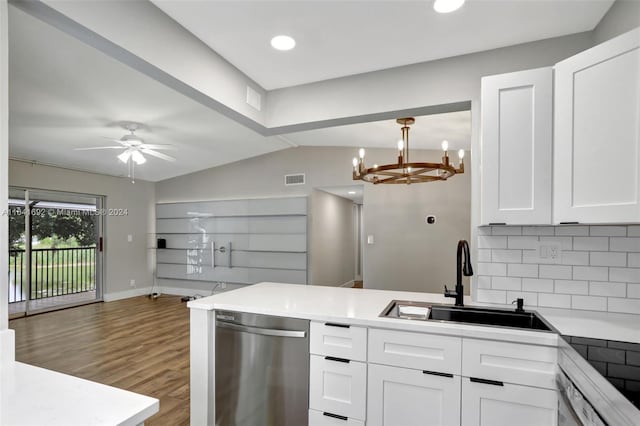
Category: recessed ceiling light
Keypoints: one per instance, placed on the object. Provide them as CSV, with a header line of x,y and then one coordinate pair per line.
x,y
446,6
283,42
352,192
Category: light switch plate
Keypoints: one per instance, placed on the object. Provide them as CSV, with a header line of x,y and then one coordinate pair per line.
x,y
370,239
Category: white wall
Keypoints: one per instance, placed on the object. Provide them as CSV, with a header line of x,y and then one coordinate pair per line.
x,y
7,352
623,16
124,261
331,239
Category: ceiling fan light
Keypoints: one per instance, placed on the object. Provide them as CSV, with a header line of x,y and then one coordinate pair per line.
x,y
124,157
138,157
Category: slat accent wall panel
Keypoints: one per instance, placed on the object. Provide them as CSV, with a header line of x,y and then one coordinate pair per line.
x,y
268,240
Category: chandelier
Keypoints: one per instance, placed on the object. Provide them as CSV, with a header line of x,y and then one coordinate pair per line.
x,y
404,171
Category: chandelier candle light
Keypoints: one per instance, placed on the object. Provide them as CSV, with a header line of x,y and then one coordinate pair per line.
x,y
405,171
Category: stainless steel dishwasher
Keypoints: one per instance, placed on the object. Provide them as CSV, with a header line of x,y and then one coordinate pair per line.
x,y
262,370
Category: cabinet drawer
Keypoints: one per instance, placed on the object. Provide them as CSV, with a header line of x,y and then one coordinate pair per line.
x,y
339,340
507,405
415,350
338,387
510,362
319,418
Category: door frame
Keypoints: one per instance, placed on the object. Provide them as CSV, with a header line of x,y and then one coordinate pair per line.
x,y
100,268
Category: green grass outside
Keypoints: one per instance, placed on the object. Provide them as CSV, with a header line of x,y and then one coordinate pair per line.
x,y
55,273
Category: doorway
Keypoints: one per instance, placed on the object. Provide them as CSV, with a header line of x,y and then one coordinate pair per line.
x,y
55,250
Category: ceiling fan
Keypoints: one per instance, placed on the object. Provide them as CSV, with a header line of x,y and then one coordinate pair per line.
x,y
134,147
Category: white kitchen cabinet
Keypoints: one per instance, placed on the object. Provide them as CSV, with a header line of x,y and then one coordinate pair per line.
x,y
319,418
510,362
517,124
338,340
597,134
403,397
338,386
415,350
504,404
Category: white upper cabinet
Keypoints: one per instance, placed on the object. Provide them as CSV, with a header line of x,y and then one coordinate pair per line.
x,y
517,113
597,134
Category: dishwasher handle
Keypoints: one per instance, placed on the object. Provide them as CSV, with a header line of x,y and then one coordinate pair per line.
x,y
262,331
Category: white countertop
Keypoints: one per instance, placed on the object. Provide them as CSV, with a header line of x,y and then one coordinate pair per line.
x,y
362,307
33,396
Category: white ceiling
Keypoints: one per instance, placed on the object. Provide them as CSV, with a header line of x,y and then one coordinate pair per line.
x,y
340,38
64,94
428,132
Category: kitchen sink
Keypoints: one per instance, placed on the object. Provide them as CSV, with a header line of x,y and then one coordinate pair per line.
x,y
425,311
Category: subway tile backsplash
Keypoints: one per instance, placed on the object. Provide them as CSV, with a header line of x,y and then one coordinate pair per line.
x,y
598,267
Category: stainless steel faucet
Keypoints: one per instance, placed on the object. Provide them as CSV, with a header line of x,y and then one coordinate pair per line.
x,y
466,269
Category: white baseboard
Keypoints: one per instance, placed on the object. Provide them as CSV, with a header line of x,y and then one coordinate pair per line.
x,y
7,347
174,291
118,295
181,291
348,284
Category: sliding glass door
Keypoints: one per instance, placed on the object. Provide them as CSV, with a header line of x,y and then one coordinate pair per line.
x,y
55,250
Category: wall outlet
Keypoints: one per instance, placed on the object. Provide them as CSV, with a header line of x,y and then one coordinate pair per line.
x,y
132,283
130,238
370,239
549,252
223,286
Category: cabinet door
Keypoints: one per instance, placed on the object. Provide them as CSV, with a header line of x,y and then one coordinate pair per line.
x,y
597,134
403,397
338,387
507,405
517,147
317,418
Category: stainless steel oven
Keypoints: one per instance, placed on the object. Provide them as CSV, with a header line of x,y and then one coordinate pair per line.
x,y
261,370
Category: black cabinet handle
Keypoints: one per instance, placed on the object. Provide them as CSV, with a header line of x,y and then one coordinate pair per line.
x,y
497,223
486,381
569,223
335,416
333,324
333,358
437,373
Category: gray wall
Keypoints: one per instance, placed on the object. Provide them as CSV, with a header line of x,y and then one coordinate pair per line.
x,y
408,254
429,83
623,16
124,260
331,239
393,213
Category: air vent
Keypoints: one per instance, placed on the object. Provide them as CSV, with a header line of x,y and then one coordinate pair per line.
x,y
254,99
297,179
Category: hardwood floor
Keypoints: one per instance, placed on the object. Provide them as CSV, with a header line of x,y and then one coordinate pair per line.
x,y
137,344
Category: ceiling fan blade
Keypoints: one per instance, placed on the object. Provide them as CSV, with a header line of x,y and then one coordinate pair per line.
x,y
123,143
156,146
97,147
157,154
